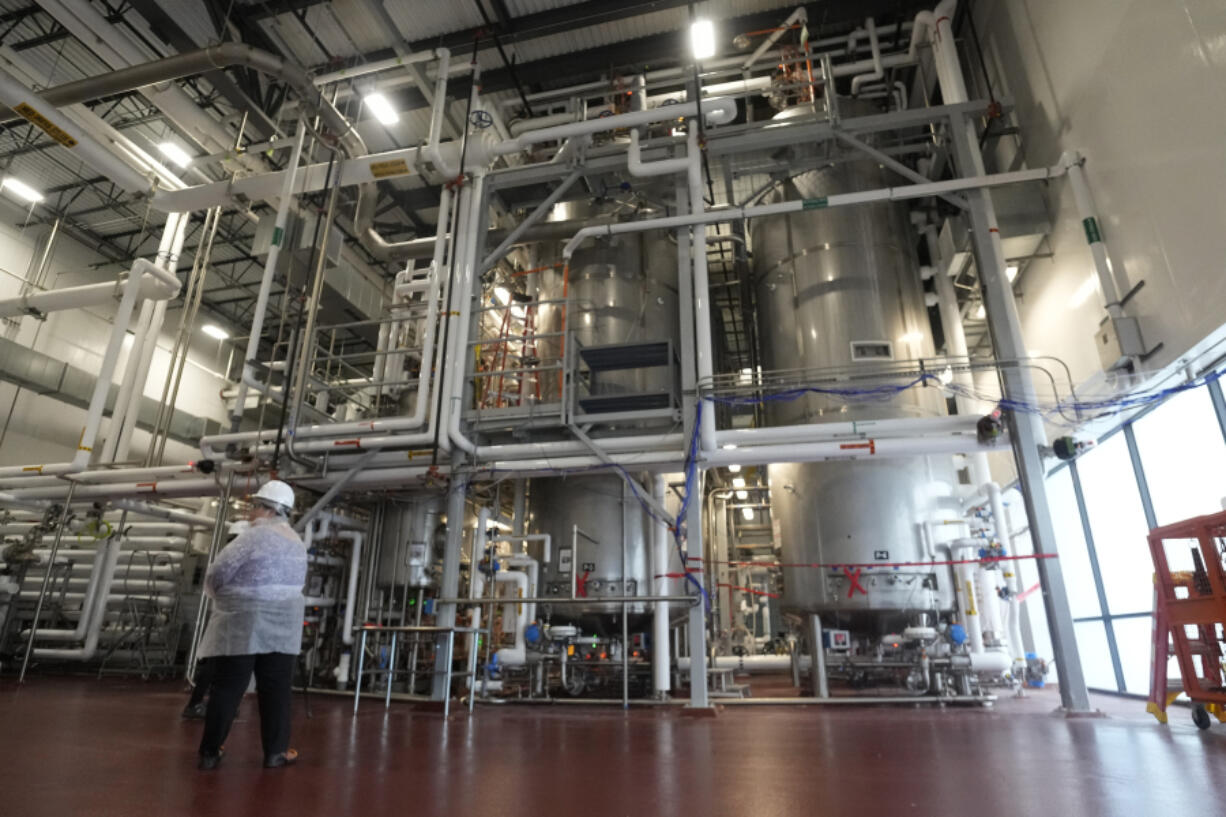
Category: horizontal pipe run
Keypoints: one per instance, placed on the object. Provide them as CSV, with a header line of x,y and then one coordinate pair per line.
x,y
717,215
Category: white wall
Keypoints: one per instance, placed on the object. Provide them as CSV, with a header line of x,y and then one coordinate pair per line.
x,y
41,429
1138,87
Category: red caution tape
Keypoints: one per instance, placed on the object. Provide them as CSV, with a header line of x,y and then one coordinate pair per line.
x,y
870,565
1028,592
749,590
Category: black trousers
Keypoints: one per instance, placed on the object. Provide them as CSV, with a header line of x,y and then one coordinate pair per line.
x,y
274,673
203,681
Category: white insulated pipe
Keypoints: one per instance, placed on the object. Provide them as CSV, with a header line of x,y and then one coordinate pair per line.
x,y
351,592
1111,278
102,386
661,549
102,596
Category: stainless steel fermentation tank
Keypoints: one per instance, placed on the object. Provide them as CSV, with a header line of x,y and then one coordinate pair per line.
x,y
622,293
838,291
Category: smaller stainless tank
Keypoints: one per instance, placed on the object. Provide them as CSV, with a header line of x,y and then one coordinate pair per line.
x,y
594,523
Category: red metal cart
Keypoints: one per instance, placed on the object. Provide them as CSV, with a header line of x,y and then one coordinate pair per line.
x,y
1189,616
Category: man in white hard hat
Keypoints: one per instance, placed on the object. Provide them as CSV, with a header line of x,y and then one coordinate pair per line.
x,y
256,626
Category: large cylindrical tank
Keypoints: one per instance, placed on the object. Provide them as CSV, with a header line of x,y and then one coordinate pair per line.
x,y
595,523
622,289
838,291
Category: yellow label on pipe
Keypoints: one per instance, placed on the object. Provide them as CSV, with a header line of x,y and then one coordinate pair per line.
x,y
393,167
31,115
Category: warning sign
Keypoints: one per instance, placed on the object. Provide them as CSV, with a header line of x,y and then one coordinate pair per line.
x,y
45,125
394,167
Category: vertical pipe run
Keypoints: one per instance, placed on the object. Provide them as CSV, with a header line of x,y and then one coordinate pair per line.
x,y
660,655
821,688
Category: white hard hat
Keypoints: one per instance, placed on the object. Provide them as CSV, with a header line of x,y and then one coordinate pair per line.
x,y
276,493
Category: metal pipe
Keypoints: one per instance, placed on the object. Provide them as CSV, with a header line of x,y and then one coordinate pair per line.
x,y
42,593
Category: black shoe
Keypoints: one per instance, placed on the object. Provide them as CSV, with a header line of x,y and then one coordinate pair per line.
x,y
287,758
208,763
195,712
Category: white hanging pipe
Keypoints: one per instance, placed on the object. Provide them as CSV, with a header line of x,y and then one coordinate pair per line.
x,y
717,111
102,596
78,526
797,16
432,152
543,538
87,605
703,349
138,553
466,245
377,66
878,72
351,592
661,656
516,655
820,432
161,472
168,262
147,286
102,386
663,167
851,449
170,514
1111,280
134,356
1000,521
532,591
249,376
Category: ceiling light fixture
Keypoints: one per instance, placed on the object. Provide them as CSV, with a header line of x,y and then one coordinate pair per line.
x,y
702,39
1011,272
214,331
734,469
21,190
747,513
382,108
742,495
738,482
981,313
175,154
502,295
911,337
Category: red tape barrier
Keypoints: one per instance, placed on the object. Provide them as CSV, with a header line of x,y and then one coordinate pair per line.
x,y
862,565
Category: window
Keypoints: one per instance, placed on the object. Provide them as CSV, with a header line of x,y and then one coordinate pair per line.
x,y
1071,543
1184,457
1095,655
1117,523
1134,639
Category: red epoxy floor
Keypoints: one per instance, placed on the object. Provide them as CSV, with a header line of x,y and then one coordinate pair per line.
x,y
95,748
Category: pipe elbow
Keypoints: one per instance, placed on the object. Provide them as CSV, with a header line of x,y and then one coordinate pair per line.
x,y
720,110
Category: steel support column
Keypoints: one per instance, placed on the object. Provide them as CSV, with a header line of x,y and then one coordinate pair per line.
x,y
449,587
1025,429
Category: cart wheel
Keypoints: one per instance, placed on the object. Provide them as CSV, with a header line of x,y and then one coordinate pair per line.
x,y
1200,717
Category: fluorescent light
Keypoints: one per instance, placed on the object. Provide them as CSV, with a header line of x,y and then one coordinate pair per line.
x,y
742,495
981,313
502,295
746,371
214,331
729,446
1088,287
175,154
702,39
1011,271
21,190
382,108
747,513
738,482
734,469
946,377
911,337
